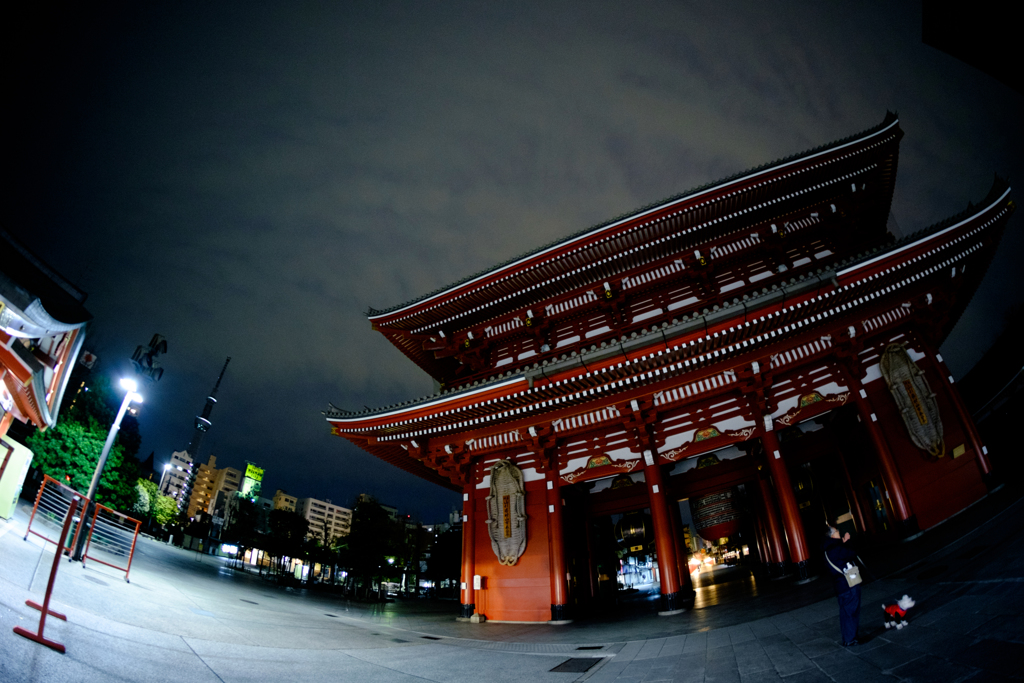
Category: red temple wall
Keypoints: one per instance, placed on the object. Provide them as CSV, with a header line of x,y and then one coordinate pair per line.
x,y
521,592
936,487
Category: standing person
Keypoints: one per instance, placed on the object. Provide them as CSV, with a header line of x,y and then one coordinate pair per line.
x,y
837,555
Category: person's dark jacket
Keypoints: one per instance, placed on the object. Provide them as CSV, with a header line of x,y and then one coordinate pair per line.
x,y
839,553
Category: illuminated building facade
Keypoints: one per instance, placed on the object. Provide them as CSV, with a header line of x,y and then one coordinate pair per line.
x,y
769,319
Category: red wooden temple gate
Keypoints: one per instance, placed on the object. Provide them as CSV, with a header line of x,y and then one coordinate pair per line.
x,y
752,318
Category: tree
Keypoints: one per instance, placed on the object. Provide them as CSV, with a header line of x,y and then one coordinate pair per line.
x,y
288,534
69,451
373,538
446,558
164,510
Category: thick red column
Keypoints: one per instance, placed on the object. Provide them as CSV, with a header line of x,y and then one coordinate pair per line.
x,y
772,530
787,501
981,452
671,600
886,465
468,551
556,550
685,582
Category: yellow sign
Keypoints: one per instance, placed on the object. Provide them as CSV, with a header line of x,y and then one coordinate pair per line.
x,y
253,472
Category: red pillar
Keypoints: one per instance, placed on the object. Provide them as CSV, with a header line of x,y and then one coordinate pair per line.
x,y
981,452
772,530
671,600
887,466
468,550
556,550
685,582
787,502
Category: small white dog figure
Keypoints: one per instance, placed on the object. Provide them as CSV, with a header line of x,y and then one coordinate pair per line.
x,y
895,614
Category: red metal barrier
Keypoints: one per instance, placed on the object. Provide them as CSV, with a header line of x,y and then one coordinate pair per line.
x,y
44,609
115,535
52,504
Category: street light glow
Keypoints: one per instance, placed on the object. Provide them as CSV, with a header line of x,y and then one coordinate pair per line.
x,y
129,385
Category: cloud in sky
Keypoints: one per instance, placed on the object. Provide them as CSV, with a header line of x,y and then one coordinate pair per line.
x,y
247,180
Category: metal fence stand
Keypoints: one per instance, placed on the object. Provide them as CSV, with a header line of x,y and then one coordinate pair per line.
x,y
51,504
115,535
44,609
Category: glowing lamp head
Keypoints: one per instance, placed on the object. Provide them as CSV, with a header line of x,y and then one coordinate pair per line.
x,y
129,385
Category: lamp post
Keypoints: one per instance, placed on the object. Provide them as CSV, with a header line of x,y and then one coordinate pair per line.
x,y
130,396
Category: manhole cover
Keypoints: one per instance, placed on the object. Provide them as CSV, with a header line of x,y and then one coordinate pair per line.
x,y
932,573
398,640
251,602
575,665
332,615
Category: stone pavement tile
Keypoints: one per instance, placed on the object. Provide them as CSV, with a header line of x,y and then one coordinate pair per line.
x,y
695,642
1012,602
844,667
766,676
773,639
96,656
763,627
810,676
751,657
1010,629
785,621
651,649
994,656
931,670
740,633
818,647
658,674
630,650
886,656
439,663
788,659
933,641
689,669
673,646
988,677
802,634
636,669
954,609
718,638
722,676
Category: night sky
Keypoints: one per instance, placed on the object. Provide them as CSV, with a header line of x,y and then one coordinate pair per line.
x,y
248,179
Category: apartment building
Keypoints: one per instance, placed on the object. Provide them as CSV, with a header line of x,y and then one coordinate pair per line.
x,y
175,474
210,480
282,501
323,514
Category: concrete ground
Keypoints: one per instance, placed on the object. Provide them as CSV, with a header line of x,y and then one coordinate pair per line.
x,y
186,617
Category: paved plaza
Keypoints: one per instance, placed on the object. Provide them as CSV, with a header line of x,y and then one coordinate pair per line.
x,y
186,617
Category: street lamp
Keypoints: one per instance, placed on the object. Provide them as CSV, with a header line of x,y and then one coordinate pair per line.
x,y
130,396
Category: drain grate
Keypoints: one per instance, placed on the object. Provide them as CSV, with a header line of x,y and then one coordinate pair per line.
x,y
251,602
430,637
95,580
332,615
591,647
576,665
398,640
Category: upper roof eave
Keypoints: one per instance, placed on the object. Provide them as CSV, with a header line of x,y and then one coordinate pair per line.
x,y
891,119
997,194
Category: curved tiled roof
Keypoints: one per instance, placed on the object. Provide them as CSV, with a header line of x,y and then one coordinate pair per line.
x,y
999,187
